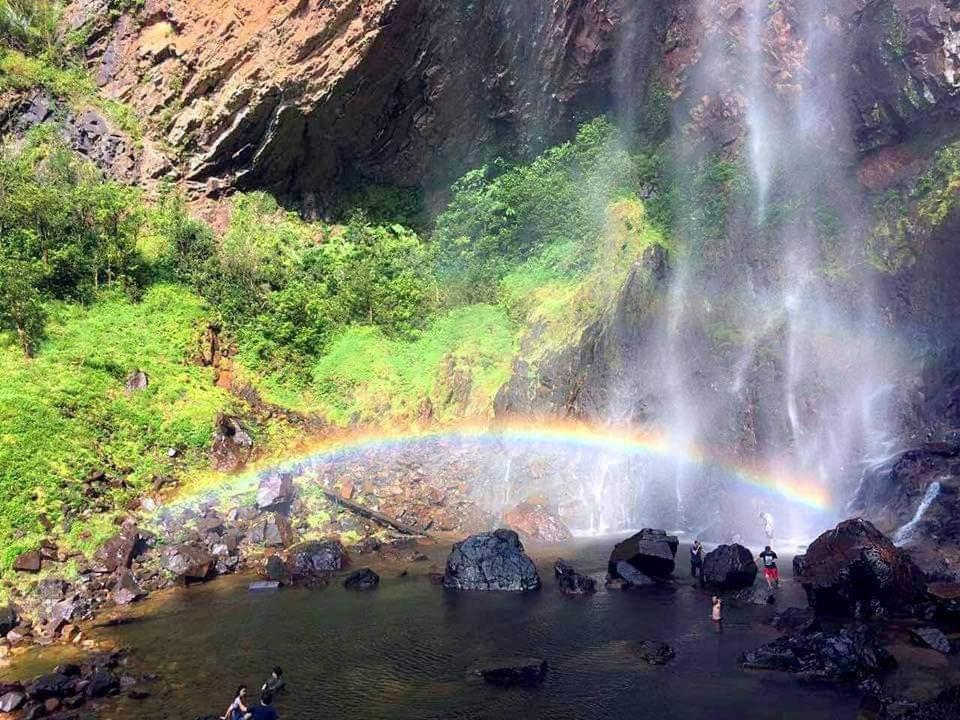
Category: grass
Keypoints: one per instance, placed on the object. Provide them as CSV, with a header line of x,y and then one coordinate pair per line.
x,y
65,413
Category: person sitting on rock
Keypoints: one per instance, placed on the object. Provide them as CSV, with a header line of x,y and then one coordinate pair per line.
x,y
264,710
770,572
274,683
696,560
238,708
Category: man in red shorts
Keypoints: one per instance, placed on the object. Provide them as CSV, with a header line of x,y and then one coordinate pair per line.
x,y
770,572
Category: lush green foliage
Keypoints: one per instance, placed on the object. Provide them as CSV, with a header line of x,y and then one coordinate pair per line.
x,y
65,412
30,25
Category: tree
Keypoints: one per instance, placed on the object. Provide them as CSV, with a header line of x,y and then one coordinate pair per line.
x,y
21,303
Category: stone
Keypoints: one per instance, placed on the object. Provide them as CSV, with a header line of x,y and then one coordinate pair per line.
x,y
232,445
630,576
932,638
126,589
315,558
52,588
51,705
264,586
275,492
27,562
729,567
274,570
491,561
856,570
118,551
513,671
48,686
792,618
101,683
136,381
12,701
571,582
816,654
365,579
536,522
278,532
798,561
188,563
8,619
650,551
653,652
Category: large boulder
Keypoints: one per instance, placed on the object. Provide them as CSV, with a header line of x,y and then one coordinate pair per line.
x,y
119,551
816,654
275,492
491,561
729,567
189,563
855,570
650,552
535,521
315,559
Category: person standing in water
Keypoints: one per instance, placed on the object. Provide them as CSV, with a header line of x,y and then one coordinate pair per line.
x,y
274,683
770,571
696,560
716,614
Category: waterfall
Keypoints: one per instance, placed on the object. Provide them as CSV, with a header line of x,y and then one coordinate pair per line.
x,y
905,533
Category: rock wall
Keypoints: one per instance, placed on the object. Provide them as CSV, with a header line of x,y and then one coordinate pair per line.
x,y
294,96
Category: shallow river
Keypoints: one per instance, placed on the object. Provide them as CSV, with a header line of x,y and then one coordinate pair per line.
x,y
401,651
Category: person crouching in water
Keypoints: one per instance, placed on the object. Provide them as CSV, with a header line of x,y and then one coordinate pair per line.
x,y
770,571
716,614
238,708
696,560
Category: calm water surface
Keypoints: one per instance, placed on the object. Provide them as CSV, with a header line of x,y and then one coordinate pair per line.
x,y
400,652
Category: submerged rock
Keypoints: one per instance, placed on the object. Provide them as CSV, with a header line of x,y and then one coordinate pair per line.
x,y
513,671
571,582
653,652
365,579
822,655
855,570
649,552
729,567
491,561
792,619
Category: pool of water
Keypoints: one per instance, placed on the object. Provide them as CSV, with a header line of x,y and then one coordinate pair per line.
x,y
401,651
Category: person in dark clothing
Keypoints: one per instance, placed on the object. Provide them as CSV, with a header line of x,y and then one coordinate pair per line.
x,y
770,571
274,683
264,710
696,560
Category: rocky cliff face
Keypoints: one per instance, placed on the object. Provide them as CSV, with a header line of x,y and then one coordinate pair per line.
x,y
294,96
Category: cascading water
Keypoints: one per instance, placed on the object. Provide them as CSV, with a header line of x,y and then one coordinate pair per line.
x,y
905,534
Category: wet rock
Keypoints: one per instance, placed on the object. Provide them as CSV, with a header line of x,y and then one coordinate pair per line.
x,y
118,551
946,706
653,652
27,562
491,561
537,522
188,563
274,569
798,561
12,701
792,619
232,445
126,589
365,579
630,577
815,654
275,492
571,582
8,619
508,672
48,686
315,558
855,570
945,598
101,683
932,638
136,381
651,552
264,586
757,594
729,567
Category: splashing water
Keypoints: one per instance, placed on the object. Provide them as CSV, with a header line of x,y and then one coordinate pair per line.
x,y
905,534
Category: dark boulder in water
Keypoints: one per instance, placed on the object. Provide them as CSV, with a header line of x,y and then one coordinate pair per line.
x,y
653,652
491,561
855,570
513,671
812,653
932,638
798,561
571,582
315,558
651,552
729,567
365,579
627,574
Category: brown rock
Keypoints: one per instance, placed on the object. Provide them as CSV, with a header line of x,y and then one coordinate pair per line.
x,y
27,562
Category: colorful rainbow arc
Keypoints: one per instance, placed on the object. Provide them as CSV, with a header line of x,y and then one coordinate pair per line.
x,y
625,441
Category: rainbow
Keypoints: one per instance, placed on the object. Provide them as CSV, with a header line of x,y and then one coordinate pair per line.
x,y
774,480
